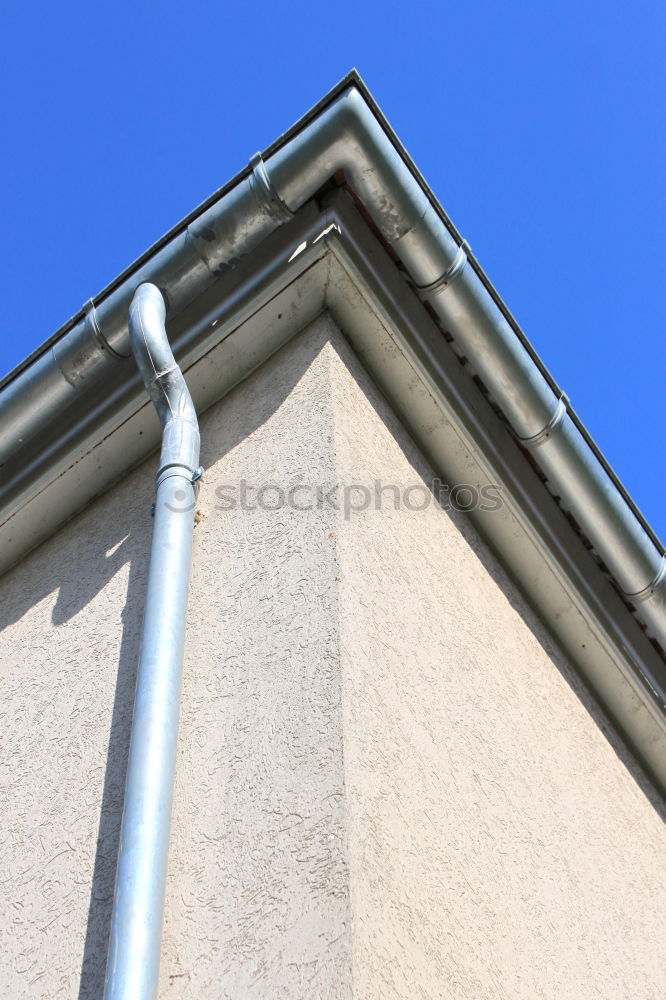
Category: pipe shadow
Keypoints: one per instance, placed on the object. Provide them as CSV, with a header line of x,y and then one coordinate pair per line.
x,y
71,569
93,966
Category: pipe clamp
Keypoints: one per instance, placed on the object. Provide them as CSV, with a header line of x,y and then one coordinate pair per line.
x,y
184,471
455,268
558,416
659,580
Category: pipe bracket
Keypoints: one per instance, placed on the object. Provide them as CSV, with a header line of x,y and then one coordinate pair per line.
x,y
454,269
265,192
175,469
555,421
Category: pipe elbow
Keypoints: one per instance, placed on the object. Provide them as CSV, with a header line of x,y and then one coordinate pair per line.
x,y
147,330
164,380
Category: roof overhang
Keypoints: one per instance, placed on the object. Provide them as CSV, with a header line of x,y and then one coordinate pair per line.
x,y
267,275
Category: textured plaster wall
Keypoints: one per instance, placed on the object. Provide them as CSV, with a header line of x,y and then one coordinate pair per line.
x,y
500,845
389,782
259,888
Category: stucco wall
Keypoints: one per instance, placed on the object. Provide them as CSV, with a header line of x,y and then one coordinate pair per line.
x,y
390,784
499,842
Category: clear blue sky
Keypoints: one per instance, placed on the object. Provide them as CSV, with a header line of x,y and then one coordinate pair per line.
x,y
540,127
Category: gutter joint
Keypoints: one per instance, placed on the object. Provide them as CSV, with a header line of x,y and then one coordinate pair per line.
x,y
454,269
546,432
652,587
265,191
92,322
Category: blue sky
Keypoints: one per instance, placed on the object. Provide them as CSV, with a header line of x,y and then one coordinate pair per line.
x,y
540,127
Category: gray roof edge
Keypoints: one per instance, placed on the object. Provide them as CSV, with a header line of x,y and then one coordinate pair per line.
x,y
348,128
351,78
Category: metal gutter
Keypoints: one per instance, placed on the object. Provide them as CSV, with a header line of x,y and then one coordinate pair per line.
x,y
346,137
351,78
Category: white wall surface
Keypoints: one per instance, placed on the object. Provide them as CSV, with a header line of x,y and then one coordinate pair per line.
x,y
390,783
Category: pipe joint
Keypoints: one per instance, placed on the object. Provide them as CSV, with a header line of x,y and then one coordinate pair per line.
x,y
655,587
81,356
551,427
266,192
455,269
93,324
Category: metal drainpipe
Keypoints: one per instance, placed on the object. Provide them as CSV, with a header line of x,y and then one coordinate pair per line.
x,y
136,927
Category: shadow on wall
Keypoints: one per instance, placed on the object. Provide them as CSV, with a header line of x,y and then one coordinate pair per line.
x,y
134,549
137,549
78,563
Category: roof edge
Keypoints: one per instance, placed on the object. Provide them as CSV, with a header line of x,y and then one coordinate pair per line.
x,y
346,135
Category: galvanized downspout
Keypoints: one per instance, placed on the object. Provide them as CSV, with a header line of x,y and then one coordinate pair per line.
x,y
136,928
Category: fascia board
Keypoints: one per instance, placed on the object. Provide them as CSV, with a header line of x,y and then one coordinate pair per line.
x,y
332,261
